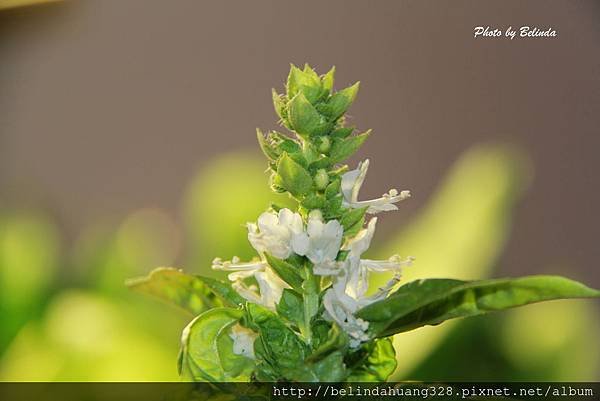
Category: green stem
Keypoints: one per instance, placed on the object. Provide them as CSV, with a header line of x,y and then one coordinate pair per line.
x,y
311,302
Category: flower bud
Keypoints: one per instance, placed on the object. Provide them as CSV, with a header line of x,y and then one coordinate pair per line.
x,y
315,214
321,179
325,144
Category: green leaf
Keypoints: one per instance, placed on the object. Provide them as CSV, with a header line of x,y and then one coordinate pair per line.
x,y
310,152
294,178
341,149
310,72
331,368
223,290
342,255
305,82
305,119
290,306
314,201
286,271
279,104
282,354
341,101
235,366
352,217
333,188
356,227
336,340
277,344
380,362
284,143
176,287
299,158
432,301
342,132
200,356
327,80
296,260
333,208
266,147
321,162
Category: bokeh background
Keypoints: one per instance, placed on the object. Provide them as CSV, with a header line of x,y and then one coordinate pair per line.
x,y
127,142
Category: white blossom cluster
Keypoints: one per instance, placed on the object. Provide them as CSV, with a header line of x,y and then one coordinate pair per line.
x,y
283,233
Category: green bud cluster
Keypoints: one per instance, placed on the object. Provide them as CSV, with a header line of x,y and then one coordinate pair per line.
x,y
308,163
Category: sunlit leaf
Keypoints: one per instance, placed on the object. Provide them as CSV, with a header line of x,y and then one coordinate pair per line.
x,y
432,301
379,362
176,287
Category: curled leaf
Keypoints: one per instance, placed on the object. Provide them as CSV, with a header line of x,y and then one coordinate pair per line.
x,y
205,353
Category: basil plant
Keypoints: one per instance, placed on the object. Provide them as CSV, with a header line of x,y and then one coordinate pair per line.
x,y
303,309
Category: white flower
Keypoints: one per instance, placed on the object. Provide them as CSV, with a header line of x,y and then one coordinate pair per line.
x,y
320,243
243,340
353,180
341,308
350,283
241,270
270,286
274,231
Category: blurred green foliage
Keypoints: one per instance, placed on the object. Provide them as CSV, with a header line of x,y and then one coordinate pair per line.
x,y
68,316
238,198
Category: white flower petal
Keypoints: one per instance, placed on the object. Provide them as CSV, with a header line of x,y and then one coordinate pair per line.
x,y
240,275
383,204
357,282
341,310
352,182
359,244
300,243
243,340
274,231
271,287
381,293
235,264
391,264
324,240
247,293
328,268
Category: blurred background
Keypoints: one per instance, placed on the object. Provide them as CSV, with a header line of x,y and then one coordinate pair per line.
x,y
127,142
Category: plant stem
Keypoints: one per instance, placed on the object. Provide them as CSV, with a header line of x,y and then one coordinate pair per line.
x,y
311,302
